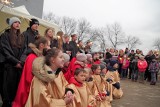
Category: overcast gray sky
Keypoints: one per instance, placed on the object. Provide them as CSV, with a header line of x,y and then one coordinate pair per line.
x,y
139,18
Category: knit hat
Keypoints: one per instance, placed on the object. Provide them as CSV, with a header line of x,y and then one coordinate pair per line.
x,y
141,56
102,66
113,62
136,55
66,57
33,21
81,57
88,56
11,20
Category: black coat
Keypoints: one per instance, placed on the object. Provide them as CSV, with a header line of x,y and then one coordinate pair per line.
x,y
54,43
66,47
108,55
12,54
11,74
2,58
74,48
30,37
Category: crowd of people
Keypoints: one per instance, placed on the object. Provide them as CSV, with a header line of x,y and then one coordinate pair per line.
x,y
51,70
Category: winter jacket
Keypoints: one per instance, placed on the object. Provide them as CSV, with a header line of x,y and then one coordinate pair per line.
x,y
66,47
134,65
30,37
12,54
74,48
154,66
2,58
120,59
142,65
125,64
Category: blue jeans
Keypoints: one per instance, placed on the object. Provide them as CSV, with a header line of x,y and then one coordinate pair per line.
x,y
141,76
124,73
134,74
153,76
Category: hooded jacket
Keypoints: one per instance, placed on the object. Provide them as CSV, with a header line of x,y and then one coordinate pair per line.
x,y
142,65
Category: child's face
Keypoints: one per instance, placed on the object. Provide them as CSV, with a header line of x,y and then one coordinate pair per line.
x,y
91,59
124,56
66,64
59,60
115,65
104,71
88,75
136,57
97,71
80,77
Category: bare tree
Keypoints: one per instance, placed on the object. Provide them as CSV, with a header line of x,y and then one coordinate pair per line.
x,y
98,35
83,28
52,18
68,25
132,42
115,35
157,43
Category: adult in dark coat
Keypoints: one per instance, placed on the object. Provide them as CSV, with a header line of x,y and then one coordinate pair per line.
x,y
73,46
108,54
12,43
148,58
31,34
66,46
2,59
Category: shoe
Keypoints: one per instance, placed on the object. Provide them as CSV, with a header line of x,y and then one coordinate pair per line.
x,y
151,83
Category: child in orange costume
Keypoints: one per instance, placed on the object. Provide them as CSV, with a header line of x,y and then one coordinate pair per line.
x,y
107,80
101,86
114,79
48,87
83,96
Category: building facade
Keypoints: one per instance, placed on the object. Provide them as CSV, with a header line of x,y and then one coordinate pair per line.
x,y
34,7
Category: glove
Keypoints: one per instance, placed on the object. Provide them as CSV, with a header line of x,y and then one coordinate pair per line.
x,y
58,71
68,89
89,79
109,80
117,85
108,93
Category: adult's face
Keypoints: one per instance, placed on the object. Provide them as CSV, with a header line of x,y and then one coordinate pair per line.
x,y
16,25
50,33
34,27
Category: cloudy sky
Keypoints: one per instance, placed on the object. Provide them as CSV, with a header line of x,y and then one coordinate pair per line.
x,y
139,18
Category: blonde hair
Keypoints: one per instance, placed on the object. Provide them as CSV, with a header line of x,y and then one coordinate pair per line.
x,y
45,32
60,40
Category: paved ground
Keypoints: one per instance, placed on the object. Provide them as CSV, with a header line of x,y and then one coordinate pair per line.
x,y
138,95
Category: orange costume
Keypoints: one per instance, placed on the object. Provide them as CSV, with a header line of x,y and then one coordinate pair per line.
x,y
47,89
101,86
83,96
